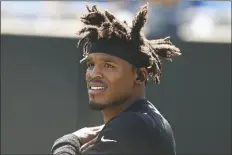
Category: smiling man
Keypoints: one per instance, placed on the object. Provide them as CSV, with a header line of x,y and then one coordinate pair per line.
x,y
119,61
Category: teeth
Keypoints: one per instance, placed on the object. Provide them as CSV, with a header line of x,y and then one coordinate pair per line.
x,y
96,88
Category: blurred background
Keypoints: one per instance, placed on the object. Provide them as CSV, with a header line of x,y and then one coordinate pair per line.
x,y
43,94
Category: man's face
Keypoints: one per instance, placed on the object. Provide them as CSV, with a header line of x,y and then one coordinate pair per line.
x,y
110,80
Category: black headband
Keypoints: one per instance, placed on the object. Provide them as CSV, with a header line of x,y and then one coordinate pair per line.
x,y
121,49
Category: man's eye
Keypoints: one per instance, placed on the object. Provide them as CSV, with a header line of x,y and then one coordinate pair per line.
x,y
90,65
109,65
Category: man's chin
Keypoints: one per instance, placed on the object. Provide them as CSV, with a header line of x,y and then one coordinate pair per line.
x,y
101,105
97,106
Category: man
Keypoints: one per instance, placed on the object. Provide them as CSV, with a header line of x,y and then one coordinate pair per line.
x,y
119,62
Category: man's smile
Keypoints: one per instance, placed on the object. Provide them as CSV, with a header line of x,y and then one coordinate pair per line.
x,y
96,87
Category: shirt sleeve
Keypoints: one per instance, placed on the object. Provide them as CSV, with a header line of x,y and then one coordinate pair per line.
x,y
128,133
67,145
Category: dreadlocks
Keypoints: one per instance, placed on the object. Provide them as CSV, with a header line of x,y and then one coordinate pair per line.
x,y
105,26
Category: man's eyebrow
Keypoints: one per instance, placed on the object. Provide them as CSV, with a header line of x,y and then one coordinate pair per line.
x,y
109,60
88,59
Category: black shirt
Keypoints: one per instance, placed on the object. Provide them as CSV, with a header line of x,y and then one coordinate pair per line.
x,y
140,129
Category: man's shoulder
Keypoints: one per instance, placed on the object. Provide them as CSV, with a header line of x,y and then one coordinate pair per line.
x,y
127,128
137,131
140,124
131,121
132,117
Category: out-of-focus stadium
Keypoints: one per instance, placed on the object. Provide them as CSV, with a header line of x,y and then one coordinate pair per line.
x,y
43,94
200,21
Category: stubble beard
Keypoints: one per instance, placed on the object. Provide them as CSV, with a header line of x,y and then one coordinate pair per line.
x,y
101,106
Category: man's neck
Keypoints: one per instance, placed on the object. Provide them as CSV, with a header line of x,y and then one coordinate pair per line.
x,y
111,112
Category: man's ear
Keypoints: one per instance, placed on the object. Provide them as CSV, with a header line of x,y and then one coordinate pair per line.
x,y
142,75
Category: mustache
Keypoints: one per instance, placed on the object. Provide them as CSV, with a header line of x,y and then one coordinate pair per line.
x,y
96,81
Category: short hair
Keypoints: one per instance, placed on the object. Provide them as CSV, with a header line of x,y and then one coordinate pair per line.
x,y
104,25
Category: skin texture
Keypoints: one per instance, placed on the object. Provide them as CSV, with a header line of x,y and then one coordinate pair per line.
x,y
115,74
118,78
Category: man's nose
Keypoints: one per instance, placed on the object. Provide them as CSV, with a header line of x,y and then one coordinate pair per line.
x,y
95,72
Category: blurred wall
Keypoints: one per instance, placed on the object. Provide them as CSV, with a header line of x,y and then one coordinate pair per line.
x,y
43,95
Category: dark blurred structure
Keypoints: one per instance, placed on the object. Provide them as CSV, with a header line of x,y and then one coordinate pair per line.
x,y
43,95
